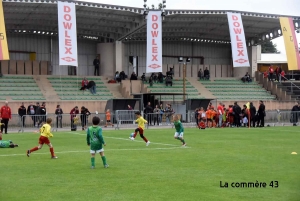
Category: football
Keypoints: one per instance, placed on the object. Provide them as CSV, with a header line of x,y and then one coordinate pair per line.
x,y
132,134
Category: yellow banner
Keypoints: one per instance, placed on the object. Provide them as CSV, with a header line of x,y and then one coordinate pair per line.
x,y
290,41
4,55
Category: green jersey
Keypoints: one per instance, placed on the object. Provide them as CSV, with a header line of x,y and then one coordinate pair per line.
x,y
5,143
94,137
178,126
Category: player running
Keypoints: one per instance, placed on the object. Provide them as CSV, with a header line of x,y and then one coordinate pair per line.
x,y
179,130
95,140
141,127
44,139
7,144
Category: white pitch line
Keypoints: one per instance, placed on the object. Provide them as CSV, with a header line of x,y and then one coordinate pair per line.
x,y
117,138
87,151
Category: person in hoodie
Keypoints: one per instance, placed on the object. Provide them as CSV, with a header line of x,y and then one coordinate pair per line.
x,y
22,113
42,113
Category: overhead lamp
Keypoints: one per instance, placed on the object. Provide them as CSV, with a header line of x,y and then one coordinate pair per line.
x,y
180,59
296,24
188,60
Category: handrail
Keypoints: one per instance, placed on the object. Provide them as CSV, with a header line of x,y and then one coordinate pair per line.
x,y
292,84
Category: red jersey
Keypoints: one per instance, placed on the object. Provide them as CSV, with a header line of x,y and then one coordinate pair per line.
x,y
84,83
220,109
5,112
73,113
282,73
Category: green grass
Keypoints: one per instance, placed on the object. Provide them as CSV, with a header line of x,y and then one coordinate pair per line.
x,y
162,171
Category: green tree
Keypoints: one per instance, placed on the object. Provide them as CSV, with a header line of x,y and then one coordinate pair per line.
x,y
267,46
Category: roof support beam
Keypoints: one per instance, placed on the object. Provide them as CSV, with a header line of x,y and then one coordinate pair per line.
x,y
140,25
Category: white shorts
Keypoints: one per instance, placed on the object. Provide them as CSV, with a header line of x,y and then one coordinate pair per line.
x,y
178,134
96,151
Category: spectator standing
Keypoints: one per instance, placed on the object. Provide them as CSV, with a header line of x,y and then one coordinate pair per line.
x,y
156,114
261,114
200,74
92,87
84,114
22,113
143,77
252,114
160,77
31,111
58,113
197,116
73,114
37,113
220,113
129,107
237,111
5,113
96,63
43,113
148,112
206,74
271,72
295,114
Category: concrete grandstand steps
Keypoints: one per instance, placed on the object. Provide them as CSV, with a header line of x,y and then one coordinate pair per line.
x,y
201,88
114,88
46,88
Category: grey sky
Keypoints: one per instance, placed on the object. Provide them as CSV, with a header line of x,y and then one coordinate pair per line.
x,y
281,7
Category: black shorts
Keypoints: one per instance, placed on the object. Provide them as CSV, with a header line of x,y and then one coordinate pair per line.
x,y
209,120
107,121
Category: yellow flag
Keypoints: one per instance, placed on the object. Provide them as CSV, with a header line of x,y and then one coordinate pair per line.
x,y
248,105
290,41
4,55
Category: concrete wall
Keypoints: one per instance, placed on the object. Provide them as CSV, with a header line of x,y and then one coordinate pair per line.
x,y
107,61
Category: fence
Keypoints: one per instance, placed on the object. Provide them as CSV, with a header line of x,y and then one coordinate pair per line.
x,y
123,119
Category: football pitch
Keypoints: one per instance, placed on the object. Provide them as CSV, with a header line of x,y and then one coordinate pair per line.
x,y
237,164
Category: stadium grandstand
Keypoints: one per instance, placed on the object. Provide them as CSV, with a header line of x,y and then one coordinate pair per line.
x,y
117,35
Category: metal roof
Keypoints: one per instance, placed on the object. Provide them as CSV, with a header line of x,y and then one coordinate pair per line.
x,y
108,23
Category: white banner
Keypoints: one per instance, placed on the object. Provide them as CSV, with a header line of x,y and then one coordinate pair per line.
x,y
154,42
238,42
67,34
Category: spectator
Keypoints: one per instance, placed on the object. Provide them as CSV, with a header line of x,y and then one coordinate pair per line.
x,y
31,111
169,78
197,116
151,81
161,107
169,112
123,76
237,111
271,72
206,74
160,77
282,76
84,84
133,76
148,112
58,113
5,113
43,113
220,113
295,114
245,116
92,87
200,74
73,114
84,114
129,107
37,113
156,114
96,63
252,114
246,78
22,113
261,114
143,77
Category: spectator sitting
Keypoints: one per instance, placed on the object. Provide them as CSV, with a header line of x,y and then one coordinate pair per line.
x,y
151,81
246,78
133,76
117,76
155,78
84,84
206,74
123,76
143,77
92,87
169,79
160,78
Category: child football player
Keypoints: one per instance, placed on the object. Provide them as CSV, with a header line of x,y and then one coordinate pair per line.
x,y
107,115
45,131
179,130
141,127
95,140
7,144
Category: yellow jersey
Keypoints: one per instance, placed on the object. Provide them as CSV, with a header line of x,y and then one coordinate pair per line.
x,y
141,122
46,131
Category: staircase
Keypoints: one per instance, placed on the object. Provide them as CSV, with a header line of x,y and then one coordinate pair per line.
x,y
46,88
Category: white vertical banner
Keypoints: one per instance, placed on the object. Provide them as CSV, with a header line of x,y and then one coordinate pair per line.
x,y
238,42
154,42
67,34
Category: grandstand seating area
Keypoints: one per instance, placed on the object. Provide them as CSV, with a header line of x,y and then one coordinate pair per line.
x,y
20,88
191,91
67,88
234,89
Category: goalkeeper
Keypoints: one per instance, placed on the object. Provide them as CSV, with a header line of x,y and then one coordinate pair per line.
x,y
7,144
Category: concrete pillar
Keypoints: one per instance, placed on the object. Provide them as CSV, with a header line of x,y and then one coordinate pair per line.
x,y
107,61
255,56
119,55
